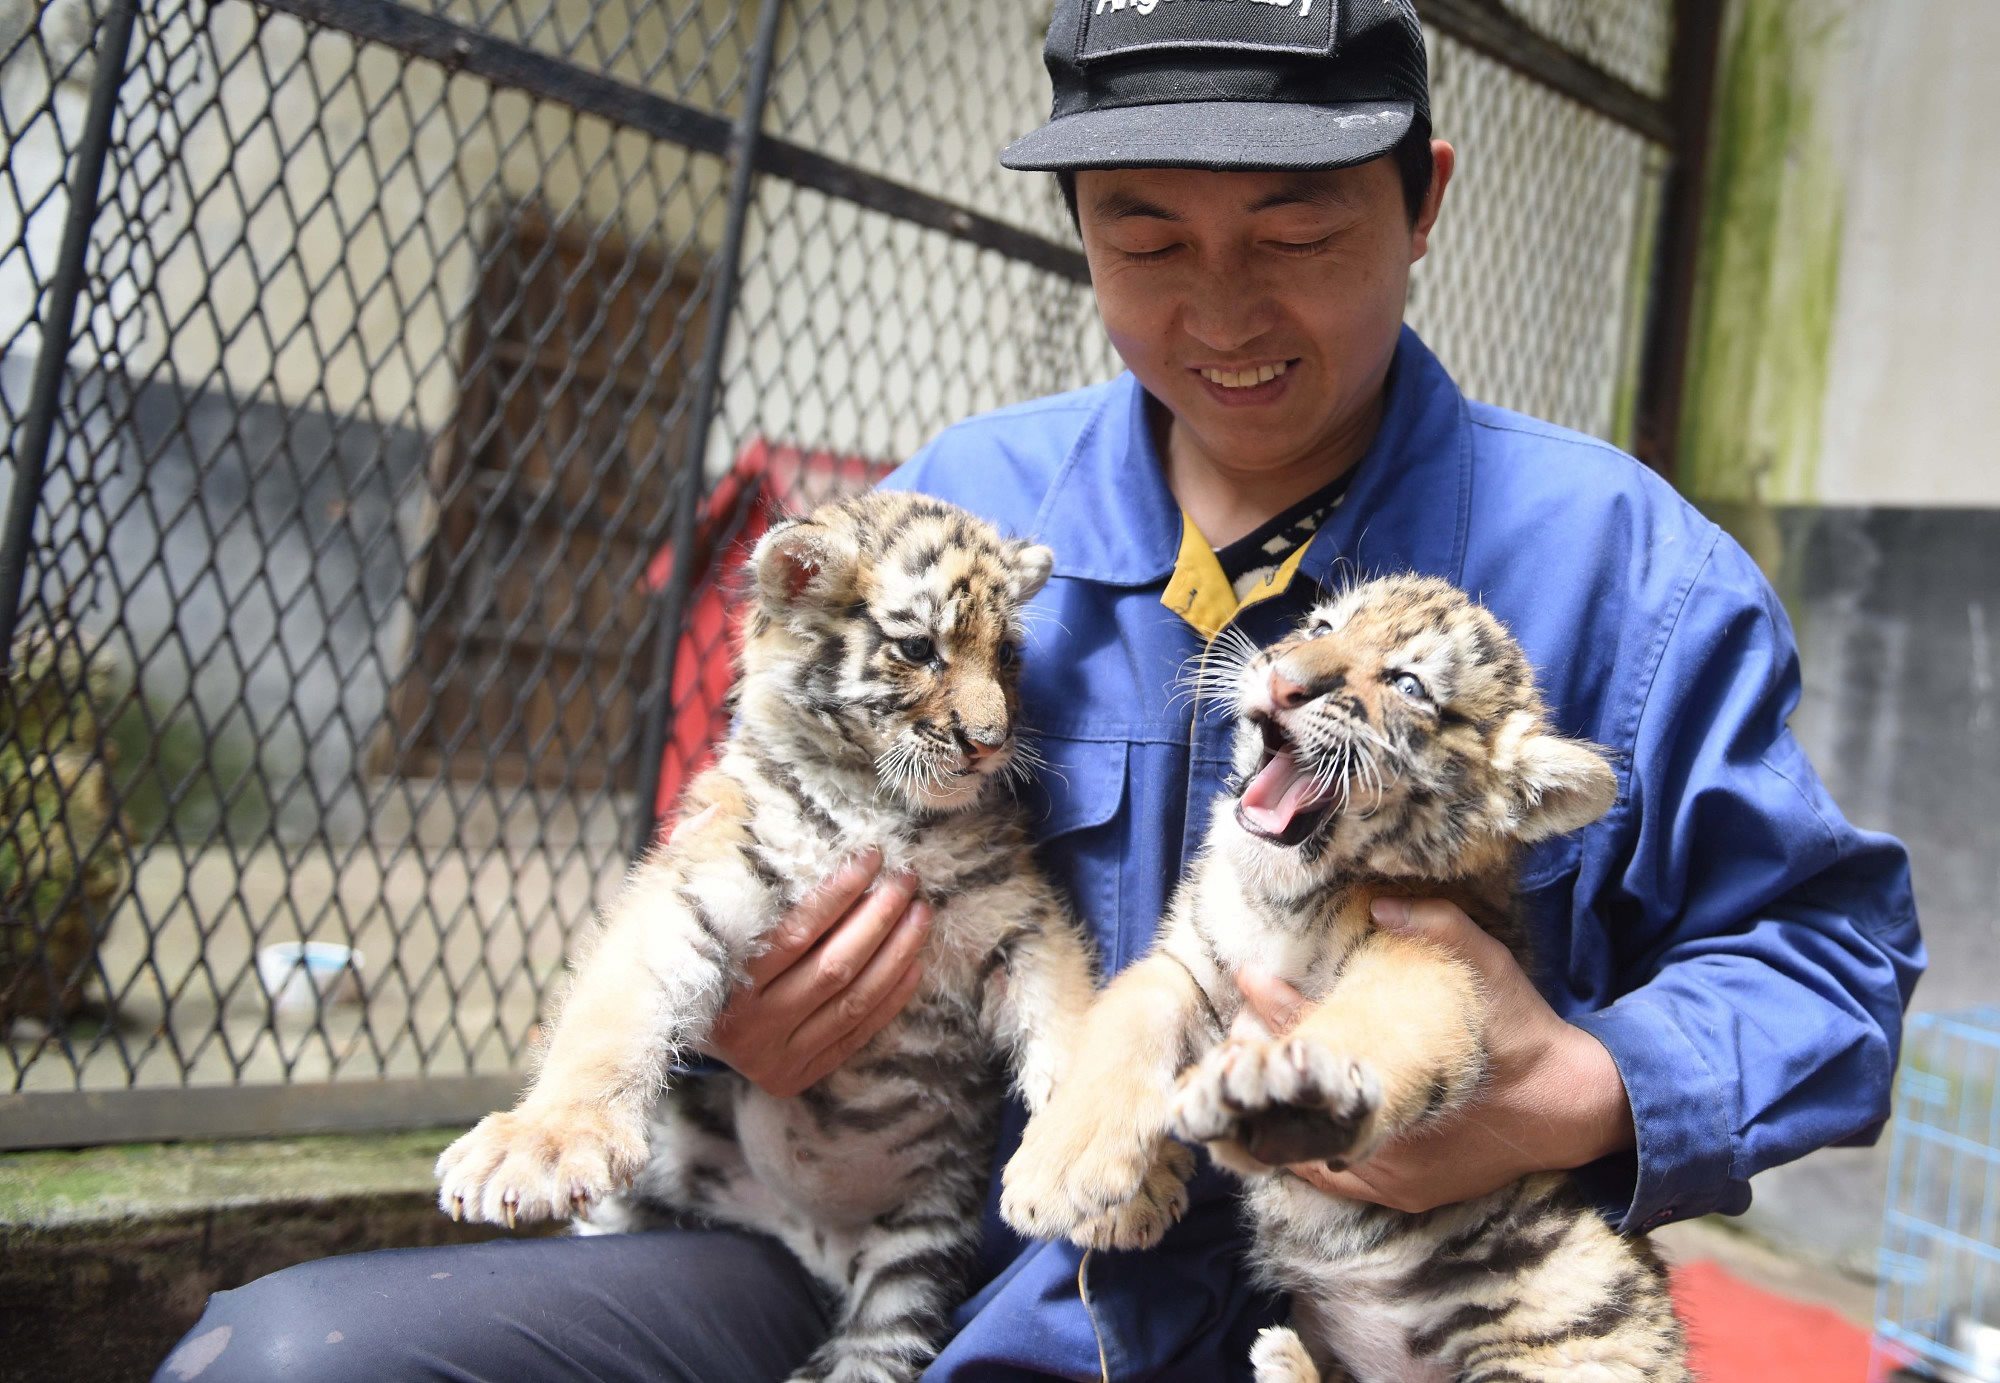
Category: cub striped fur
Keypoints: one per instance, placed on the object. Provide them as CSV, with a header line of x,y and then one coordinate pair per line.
x,y
876,708
1394,744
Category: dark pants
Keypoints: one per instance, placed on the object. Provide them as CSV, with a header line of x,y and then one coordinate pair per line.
x,y
702,1306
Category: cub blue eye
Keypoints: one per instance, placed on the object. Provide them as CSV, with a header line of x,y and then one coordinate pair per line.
x,y
1409,685
916,649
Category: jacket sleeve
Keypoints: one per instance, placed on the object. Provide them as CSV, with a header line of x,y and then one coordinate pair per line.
x,y
1766,947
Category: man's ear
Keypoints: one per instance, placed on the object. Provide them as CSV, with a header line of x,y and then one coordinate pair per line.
x,y
1032,565
804,563
1560,785
1444,160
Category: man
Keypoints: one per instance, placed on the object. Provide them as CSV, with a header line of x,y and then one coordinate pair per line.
x,y
1724,959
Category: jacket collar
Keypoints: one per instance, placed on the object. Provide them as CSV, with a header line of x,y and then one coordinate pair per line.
x,y
1111,519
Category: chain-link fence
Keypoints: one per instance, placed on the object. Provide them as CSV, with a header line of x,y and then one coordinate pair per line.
x,y
381,382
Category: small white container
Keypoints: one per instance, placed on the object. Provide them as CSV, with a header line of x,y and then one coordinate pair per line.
x,y
294,971
1978,1342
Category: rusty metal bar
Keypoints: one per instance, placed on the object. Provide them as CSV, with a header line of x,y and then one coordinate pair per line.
x,y
1676,261
82,1118
66,287
656,705
509,64
1490,29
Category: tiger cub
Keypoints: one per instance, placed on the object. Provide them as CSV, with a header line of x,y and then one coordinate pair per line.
x,y
1394,744
876,708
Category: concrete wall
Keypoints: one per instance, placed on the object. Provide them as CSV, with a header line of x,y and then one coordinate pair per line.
x,y
1839,423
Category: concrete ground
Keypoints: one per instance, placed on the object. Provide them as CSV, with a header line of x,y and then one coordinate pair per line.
x,y
1752,1259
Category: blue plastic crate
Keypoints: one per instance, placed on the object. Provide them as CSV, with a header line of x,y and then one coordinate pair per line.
x,y
1939,1269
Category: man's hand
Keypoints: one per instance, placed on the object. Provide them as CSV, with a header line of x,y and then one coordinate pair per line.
x,y
840,967
1553,1098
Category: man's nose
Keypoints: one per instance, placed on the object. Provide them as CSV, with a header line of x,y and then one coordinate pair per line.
x,y
1227,313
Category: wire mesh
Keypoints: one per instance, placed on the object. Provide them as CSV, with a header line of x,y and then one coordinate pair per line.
x,y
1632,39
341,622
1938,1304
1535,289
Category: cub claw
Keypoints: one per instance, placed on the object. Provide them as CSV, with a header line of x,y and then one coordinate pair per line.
x,y
1157,1206
539,1162
1279,1101
1063,1177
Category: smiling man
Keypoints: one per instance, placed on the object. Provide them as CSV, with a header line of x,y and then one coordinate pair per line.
x,y
1723,960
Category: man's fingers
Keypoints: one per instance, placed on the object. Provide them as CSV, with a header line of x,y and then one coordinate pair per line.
x,y
1446,925
879,1018
844,952
1276,1003
815,915
840,1015
1321,1177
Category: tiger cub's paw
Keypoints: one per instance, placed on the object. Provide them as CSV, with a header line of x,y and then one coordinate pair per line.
x,y
1144,1220
1279,1356
1280,1100
539,1163
1072,1168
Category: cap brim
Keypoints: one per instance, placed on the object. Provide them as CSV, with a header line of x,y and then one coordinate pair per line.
x,y
1246,136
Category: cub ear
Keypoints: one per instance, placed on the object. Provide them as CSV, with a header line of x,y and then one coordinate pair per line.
x,y
1032,565
1560,785
805,563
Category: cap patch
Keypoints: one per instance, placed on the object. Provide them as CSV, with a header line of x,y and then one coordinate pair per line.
x,y
1112,28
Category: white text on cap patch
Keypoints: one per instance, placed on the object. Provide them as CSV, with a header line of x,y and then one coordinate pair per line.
x,y
1114,27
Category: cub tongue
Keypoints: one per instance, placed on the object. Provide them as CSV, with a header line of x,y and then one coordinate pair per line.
x,y
1278,793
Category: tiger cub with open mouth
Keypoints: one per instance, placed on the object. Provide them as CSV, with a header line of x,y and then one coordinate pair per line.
x,y
1393,744
876,708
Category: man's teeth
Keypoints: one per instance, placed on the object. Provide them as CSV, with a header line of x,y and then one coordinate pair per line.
x,y
1246,379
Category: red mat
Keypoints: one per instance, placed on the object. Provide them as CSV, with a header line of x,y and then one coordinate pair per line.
x,y
1741,1334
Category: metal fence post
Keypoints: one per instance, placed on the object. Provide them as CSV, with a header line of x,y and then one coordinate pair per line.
x,y
656,707
59,325
1691,103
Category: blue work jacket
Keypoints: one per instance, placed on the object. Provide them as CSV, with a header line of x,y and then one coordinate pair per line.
x,y
1743,952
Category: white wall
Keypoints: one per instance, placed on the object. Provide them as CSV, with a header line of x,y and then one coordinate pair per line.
x,y
1916,361
1845,346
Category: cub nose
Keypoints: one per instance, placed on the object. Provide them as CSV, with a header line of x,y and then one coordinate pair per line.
x,y
982,742
1286,694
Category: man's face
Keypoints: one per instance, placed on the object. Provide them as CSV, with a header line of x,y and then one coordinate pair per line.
x,y
1261,309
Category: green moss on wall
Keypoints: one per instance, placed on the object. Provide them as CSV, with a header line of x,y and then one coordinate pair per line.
x,y
1770,269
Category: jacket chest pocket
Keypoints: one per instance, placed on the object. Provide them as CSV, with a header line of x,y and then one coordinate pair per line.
x,y
1073,805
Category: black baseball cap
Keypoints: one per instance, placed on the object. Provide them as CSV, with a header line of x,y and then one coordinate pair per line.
x,y
1228,84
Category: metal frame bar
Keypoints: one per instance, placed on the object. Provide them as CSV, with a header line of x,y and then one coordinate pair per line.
x,y
654,708
1485,26
1663,367
80,1118
31,458
549,78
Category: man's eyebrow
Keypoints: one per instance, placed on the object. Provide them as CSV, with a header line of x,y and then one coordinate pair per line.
x,y
1305,191
1124,206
